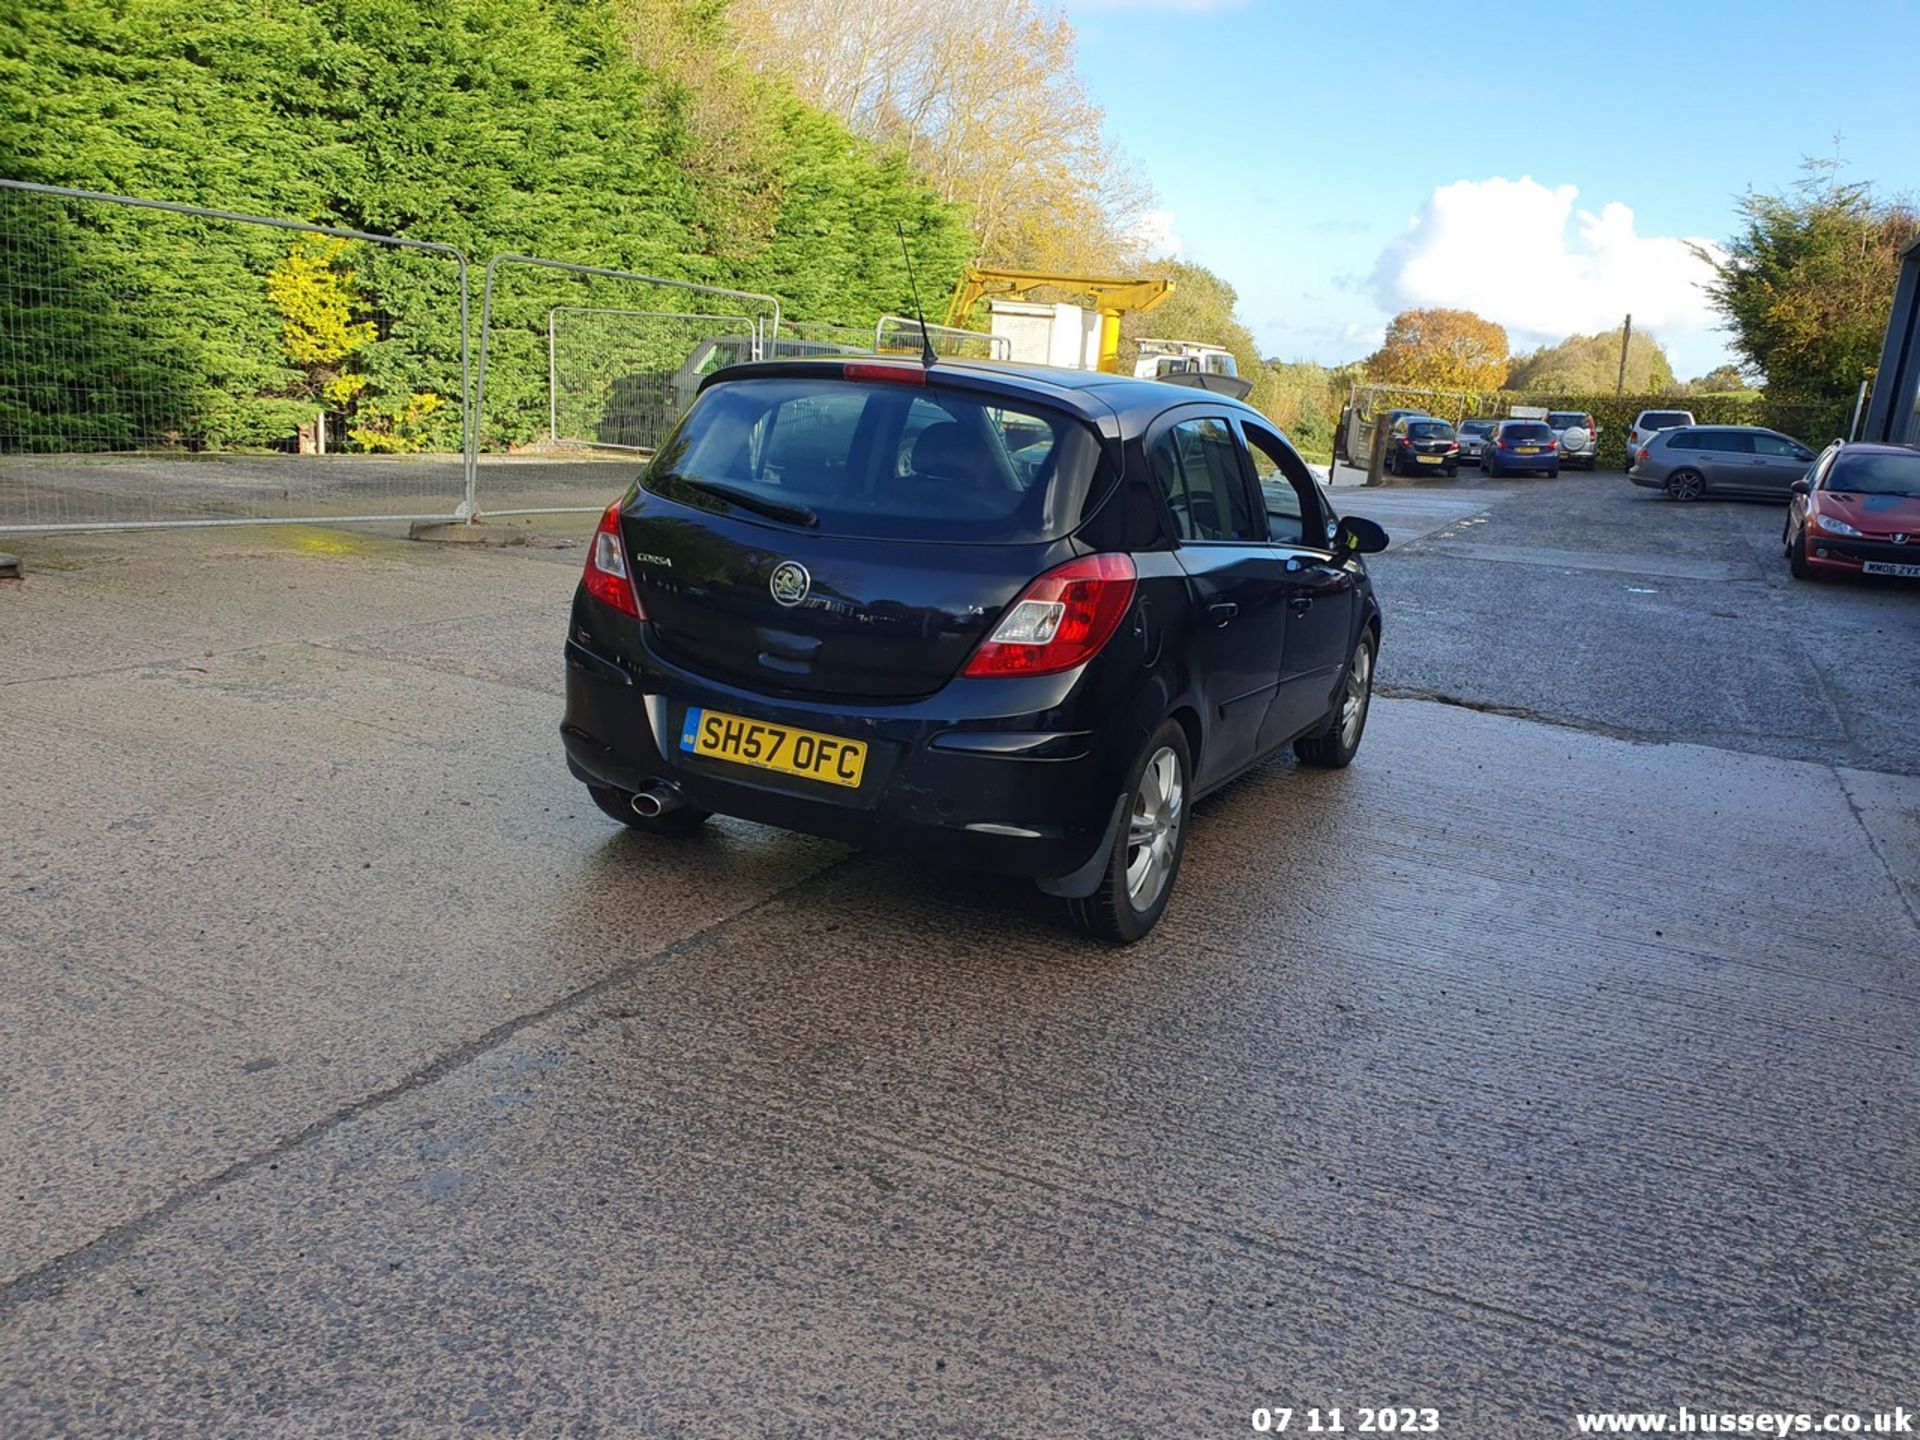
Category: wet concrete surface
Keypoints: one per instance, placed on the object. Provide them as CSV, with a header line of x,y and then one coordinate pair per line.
x,y
361,1078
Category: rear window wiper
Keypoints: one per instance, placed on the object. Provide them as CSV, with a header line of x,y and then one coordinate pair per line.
x,y
786,510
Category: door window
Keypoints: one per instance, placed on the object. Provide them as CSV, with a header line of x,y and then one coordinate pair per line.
x,y
1292,500
1198,466
1779,448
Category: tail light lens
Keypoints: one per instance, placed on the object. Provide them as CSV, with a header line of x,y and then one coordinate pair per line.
x,y
1061,620
1553,444
607,578
891,374
1405,443
1452,445
1640,454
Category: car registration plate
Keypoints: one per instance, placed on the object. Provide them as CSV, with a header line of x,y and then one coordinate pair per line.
x,y
1887,567
1526,449
1429,459
832,759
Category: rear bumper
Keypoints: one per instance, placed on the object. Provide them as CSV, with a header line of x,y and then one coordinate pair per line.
x,y
1010,793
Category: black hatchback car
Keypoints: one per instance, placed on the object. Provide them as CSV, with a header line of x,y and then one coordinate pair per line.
x,y
1012,617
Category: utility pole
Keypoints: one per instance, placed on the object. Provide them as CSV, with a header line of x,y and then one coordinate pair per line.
x,y
1626,335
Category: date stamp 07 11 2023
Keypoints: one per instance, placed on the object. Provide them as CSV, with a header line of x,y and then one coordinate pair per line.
x,y
1353,1420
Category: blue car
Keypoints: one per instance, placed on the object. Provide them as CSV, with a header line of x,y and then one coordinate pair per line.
x,y
1518,446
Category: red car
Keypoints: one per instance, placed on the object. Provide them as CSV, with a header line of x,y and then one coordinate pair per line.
x,y
1856,513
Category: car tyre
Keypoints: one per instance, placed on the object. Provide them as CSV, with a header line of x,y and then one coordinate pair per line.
x,y
1686,485
1450,471
1797,559
1335,747
619,804
1147,845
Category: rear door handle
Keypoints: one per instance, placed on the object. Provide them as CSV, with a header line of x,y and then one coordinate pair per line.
x,y
1300,604
1222,611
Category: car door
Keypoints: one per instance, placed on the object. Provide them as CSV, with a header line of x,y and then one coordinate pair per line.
x,y
1322,592
1238,579
1777,463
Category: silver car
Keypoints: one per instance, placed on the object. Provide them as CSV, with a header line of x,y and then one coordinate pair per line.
x,y
1474,435
1697,460
1579,437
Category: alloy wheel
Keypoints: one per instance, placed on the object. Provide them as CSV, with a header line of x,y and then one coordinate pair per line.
x,y
1153,830
1353,705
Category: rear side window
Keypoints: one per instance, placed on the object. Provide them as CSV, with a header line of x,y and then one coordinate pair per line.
x,y
1725,442
880,460
1198,467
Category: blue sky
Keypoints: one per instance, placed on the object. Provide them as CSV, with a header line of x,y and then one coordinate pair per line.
x,y
1337,161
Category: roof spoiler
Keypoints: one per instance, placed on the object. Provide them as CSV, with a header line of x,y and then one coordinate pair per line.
x,y
1236,386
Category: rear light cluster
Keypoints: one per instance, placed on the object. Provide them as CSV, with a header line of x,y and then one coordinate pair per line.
x,y
1060,620
607,577
879,370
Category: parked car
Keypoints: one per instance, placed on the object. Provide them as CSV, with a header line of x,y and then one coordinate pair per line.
x,y
1579,437
1521,445
1698,460
833,602
1649,423
1857,513
1371,437
1473,436
1420,444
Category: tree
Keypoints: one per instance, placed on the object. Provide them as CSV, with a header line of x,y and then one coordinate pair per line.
x,y
1721,380
1441,350
1807,284
1590,365
983,99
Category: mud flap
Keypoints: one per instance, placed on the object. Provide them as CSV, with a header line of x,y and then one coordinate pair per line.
x,y
1084,881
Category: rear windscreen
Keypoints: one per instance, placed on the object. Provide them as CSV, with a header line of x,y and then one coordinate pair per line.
x,y
880,460
1430,430
1567,420
1526,432
1665,419
1477,427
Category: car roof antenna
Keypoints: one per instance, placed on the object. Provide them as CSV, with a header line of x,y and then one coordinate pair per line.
x,y
927,357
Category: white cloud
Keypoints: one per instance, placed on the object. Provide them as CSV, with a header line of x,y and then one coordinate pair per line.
x,y
1523,256
1157,238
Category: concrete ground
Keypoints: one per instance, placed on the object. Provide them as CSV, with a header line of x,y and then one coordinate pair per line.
x,y
361,1078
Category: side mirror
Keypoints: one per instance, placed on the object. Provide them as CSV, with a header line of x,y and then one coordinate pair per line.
x,y
1801,487
1357,536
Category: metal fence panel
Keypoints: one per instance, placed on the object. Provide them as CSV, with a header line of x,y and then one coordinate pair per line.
x,y
581,367
900,335
165,364
620,379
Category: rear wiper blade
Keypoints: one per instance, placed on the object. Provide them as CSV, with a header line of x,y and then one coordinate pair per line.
x,y
774,509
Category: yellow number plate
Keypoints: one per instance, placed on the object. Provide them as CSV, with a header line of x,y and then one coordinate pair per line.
x,y
1429,459
1527,449
832,759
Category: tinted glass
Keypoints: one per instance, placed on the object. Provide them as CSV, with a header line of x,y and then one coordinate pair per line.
x,y
1198,466
1664,419
1430,430
1884,473
1527,431
1568,420
1725,442
1477,427
1779,445
882,461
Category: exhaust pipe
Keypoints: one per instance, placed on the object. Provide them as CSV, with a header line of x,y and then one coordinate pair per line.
x,y
657,799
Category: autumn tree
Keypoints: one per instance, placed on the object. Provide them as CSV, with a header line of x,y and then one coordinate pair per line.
x,y
1590,365
1721,380
1441,350
1807,284
983,98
